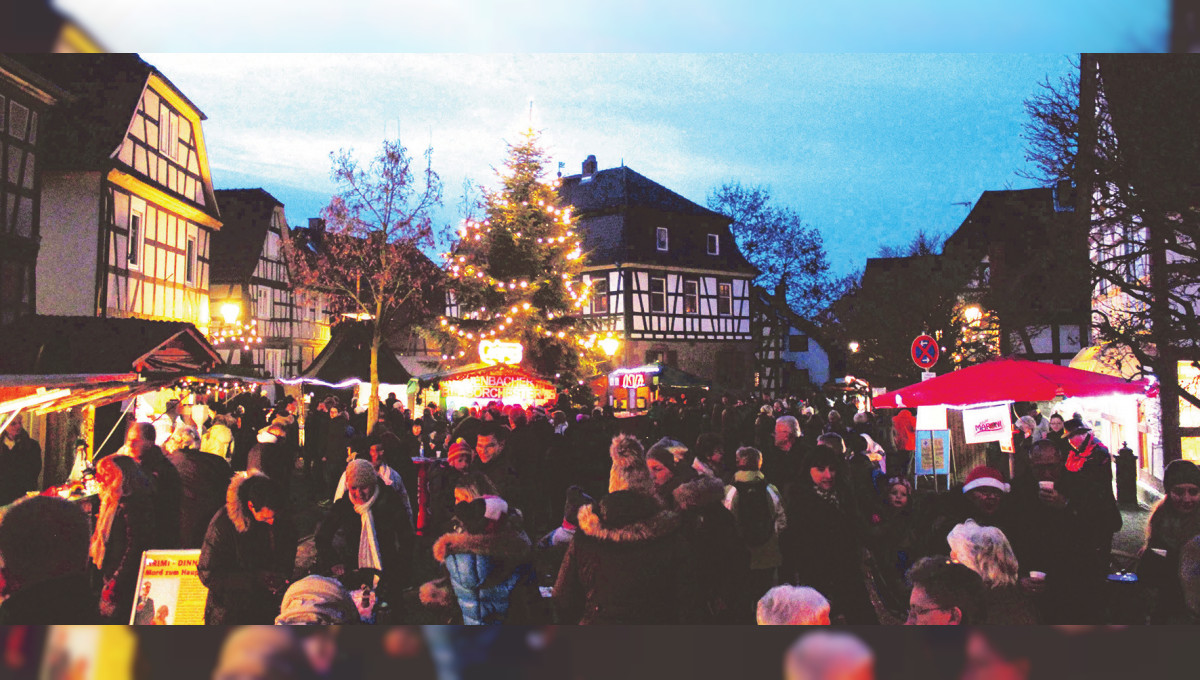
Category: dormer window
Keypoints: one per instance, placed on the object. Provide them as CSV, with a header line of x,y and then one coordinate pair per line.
x,y
714,244
661,238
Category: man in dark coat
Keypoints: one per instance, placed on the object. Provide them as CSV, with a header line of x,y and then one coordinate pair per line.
x,y
336,451
44,550
341,538
20,462
722,559
249,553
782,458
274,457
204,478
500,467
1062,526
165,485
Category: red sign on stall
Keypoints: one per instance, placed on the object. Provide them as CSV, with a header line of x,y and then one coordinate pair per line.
x,y
633,380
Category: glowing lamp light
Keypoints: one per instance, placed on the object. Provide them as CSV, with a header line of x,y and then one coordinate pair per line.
x,y
494,352
610,345
854,346
230,311
972,314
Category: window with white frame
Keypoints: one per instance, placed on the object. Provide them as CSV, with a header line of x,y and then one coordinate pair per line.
x,y
691,297
600,296
190,263
714,244
724,299
658,294
168,133
661,238
134,246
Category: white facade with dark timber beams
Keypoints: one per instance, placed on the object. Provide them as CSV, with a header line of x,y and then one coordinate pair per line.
x,y
127,202
666,274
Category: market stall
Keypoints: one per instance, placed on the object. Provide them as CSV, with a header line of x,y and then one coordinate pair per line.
x,y
974,406
635,389
480,384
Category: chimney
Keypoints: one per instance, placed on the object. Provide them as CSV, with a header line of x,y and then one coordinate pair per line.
x,y
589,166
316,225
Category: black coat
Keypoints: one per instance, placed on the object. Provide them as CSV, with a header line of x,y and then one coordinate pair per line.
x,y
19,467
440,480
166,494
637,573
132,533
721,558
66,600
823,548
276,460
504,474
338,535
239,553
205,479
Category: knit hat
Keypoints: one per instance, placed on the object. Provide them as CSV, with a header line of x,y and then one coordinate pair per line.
x,y
1181,472
458,448
317,600
359,472
898,481
576,498
629,469
984,475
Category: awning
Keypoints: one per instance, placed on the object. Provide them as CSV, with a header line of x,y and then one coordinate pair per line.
x,y
1008,379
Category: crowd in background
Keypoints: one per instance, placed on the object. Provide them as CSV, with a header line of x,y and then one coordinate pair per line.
x,y
701,511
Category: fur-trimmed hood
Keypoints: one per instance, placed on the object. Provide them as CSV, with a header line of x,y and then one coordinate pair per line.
x,y
699,492
508,544
657,525
239,511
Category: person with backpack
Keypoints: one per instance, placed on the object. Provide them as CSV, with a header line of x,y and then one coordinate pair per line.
x,y
758,509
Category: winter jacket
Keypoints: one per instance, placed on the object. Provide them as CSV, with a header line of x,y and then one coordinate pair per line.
x,y
722,561
1009,606
204,478
440,479
390,478
20,464
132,533
491,574
338,534
218,439
237,559
166,494
635,571
503,473
767,555
823,548
1168,531
895,540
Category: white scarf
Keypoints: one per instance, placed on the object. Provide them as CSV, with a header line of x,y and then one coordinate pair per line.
x,y
108,511
368,543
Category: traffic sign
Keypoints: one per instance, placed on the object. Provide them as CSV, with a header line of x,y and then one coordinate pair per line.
x,y
925,352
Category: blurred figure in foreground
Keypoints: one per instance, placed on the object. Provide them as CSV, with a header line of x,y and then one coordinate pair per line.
x,y
829,656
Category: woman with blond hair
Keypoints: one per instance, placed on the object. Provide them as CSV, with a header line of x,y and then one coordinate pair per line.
x,y
986,551
124,529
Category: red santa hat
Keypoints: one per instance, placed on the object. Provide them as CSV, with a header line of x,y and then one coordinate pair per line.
x,y
985,476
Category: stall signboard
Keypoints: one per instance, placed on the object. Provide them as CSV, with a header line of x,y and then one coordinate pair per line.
x,y
933,452
510,387
169,591
987,424
628,381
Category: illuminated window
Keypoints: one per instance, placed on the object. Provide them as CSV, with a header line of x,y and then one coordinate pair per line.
x,y
691,297
599,296
724,299
658,294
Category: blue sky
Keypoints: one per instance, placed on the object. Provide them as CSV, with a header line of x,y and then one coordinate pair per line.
x,y
868,148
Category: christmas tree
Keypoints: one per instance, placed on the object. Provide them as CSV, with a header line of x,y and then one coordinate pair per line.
x,y
514,275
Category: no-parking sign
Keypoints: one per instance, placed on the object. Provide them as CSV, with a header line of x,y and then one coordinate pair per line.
x,y
925,352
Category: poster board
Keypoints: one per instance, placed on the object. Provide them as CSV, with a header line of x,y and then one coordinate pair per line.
x,y
988,424
933,452
88,653
176,596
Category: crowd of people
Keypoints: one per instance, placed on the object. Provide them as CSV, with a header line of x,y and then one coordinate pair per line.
x,y
725,512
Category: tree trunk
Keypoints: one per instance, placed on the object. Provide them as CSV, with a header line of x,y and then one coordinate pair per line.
x,y
373,403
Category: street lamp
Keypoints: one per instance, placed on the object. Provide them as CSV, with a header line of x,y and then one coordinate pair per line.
x,y
230,311
854,345
610,345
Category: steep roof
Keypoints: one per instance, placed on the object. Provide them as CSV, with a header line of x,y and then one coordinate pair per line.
x,y
1016,217
619,209
234,250
348,355
107,88
55,345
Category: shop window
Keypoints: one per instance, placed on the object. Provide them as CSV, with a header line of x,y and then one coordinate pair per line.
x,y
691,297
658,294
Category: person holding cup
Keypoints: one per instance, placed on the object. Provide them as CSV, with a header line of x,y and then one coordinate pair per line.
x,y
1062,534
1174,522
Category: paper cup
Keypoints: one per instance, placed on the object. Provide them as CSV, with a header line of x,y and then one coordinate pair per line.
x,y
1161,552
1037,575
1048,486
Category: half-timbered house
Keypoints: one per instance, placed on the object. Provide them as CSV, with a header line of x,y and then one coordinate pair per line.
x,y
249,289
665,274
24,99
127,205
791,356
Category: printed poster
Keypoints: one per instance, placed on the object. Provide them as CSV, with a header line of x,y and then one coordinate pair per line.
x,y
933,452
987,424
169,591
88,653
